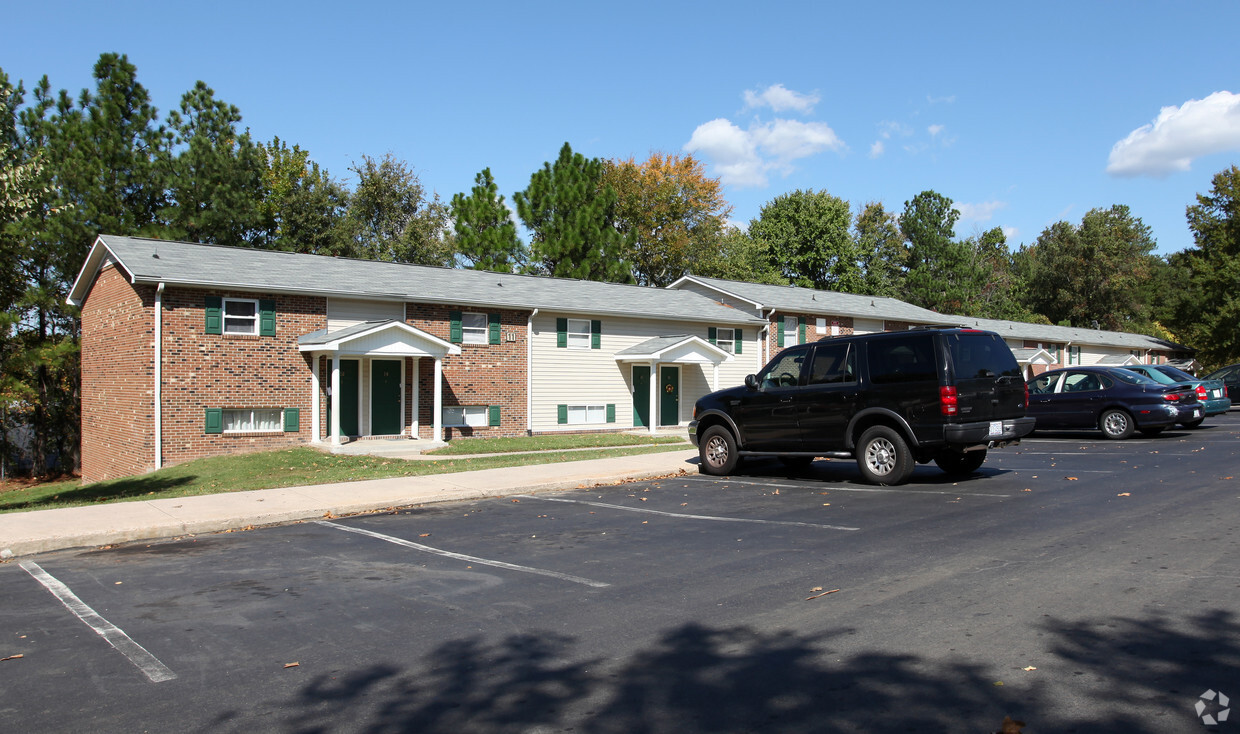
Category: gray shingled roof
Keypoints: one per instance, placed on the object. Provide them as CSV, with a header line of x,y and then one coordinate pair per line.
x,y
796,299
1049,334
216,266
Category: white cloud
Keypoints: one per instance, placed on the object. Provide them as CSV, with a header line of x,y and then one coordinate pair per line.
x,y
979,212
877,149
934,130
743,158
1180,134
780,99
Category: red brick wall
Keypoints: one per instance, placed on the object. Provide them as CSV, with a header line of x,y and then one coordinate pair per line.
x,y
812,333
118,341
483,374
233,371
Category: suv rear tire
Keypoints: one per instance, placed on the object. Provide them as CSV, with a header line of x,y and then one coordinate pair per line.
x,y
717,451
884,457
960,463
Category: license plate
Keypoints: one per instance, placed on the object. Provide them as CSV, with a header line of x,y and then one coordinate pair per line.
x,y
996,428
1196,414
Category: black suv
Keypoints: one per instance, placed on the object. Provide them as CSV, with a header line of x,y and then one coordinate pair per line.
x,y
888,399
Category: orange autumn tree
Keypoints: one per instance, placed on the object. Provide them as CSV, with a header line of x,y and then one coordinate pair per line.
x,y
671,211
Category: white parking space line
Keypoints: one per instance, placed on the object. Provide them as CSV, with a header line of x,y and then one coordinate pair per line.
x,y
713,518
463,557
150,666
878,490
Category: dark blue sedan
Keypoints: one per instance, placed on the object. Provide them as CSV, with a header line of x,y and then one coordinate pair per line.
x,y
1109,399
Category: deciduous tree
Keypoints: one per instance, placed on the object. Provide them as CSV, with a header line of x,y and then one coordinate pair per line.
x,y
880,248
807,237
672,212
303,207
942,273
392,218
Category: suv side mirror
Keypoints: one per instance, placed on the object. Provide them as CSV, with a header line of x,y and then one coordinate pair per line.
x,y
751,382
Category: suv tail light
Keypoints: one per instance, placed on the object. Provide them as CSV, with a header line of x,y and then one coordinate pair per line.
x,y
1026,396
948,402
1201,393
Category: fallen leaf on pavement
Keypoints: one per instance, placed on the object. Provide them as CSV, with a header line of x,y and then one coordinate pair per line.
x,y
18,656
1010,726
1072,479
292,665
1029,668
815,596
1124,494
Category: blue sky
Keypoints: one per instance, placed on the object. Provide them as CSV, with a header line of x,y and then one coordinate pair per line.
x,y
1024,114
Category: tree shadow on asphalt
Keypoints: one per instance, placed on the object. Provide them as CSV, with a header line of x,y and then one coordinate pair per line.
x,y
1126,675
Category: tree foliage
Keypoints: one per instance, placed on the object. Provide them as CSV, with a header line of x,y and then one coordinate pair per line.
x,y
1207,310
571,215
1090,275
880,248
486,235
737,256
942,273
807,236
671,211
391,217
303,208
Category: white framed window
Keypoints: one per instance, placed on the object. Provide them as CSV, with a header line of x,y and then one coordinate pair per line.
x,y
253,420
725,339
578,333
585,414
457,416
474,328
240,316
792,331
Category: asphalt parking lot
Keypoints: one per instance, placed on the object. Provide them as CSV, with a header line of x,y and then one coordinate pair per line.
x,y
1073,583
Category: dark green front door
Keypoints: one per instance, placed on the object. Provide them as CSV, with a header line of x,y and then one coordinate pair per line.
x,y
348,398
669,396
385,397
641,395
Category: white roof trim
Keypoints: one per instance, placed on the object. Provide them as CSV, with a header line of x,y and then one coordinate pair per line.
x,y
716,289
414,342
714,353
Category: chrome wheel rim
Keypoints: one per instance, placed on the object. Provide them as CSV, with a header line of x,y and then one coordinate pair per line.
x,y
880,456
717,451
1115,424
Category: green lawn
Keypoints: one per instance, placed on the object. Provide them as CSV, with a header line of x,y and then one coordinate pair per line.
x,y
303,466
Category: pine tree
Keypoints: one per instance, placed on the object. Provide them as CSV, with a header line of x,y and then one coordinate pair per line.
x,y
486,236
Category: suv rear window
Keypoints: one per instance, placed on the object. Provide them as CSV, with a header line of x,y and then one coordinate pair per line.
x,y
981,355
902,359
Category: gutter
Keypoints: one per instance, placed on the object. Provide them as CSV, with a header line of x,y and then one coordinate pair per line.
x,y
529,373
159,376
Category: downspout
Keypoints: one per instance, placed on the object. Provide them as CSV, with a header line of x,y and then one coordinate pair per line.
x,y
159,376
529,373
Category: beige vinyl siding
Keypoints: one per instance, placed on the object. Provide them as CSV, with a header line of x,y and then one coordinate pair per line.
x,y
594,376
867,326
345,312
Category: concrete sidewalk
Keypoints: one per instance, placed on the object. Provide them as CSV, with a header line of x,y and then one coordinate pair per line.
x,y
25,533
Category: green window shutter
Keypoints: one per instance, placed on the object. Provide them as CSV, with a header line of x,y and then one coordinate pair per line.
x,y
215,315
611,412
292,420
561,414
739,338
493,328
596,334
561,333
267,318
215,420
454,327
712,335
800,330
493,416
779,333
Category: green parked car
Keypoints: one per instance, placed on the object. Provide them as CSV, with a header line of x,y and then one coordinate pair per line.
x,y
1212,394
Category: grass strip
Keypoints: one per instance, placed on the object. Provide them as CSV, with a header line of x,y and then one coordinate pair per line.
x,y
270,469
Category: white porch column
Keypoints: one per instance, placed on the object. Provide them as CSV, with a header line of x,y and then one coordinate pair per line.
x,y
335,426
714,380
417,397
315,433
437,416
655,387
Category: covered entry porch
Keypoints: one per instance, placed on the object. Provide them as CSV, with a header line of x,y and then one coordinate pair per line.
x,y
653,369
372,379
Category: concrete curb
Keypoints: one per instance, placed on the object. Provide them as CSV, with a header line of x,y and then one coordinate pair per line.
x,y
43,531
